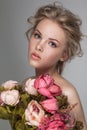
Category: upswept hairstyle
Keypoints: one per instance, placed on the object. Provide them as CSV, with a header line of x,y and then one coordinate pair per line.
x,y
68,21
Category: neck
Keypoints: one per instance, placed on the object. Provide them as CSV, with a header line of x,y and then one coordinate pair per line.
x,y
52,72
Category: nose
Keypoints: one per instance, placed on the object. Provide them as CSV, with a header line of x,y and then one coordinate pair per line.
x,y
40,45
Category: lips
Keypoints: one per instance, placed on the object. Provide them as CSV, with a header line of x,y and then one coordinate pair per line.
x,y
35,56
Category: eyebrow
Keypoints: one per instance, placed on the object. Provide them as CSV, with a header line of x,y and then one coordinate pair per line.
x,y
48,38
38,31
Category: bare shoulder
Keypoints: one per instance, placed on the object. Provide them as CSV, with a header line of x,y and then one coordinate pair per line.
x,y
69,90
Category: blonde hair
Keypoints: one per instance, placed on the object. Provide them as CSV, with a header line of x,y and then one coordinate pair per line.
x,y
68,21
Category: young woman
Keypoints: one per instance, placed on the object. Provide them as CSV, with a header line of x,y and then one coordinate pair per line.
x,y
54,39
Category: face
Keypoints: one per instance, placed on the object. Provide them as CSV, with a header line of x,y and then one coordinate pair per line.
x,y
47,45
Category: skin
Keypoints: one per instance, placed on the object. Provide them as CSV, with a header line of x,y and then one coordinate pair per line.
x,y
47,46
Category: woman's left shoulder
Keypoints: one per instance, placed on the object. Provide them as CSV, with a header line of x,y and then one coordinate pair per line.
x,y
73,98
68,89
71,92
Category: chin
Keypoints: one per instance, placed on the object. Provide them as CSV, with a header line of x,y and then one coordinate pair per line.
x,y
38,65
35,65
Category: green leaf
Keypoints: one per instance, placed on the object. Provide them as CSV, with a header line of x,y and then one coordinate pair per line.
x,y
4,113
20,125
19,87
2,88
24,100
28,127
78,126
62,101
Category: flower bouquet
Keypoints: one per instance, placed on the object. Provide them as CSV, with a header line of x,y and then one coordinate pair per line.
x,y
36,105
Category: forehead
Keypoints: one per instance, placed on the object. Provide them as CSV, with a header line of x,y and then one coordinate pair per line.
x,y
51,29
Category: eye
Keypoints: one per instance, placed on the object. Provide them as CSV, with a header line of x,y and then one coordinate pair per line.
x,y
52,44
37,36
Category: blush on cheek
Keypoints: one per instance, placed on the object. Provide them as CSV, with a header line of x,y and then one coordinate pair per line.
x,y
51,60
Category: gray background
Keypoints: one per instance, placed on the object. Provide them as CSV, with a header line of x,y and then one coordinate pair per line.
x,y
14,45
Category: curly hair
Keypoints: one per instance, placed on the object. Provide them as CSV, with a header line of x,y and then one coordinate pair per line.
x,y
68,21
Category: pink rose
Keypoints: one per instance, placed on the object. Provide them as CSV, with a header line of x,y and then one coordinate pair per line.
x,y
56,125
9,84
34,113
55,90
52,123
10,97
29,87
43,81
45,85
69,118
50,105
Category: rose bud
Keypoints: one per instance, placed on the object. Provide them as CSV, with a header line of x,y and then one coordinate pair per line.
x,y
9,84
10,97
29,87
43,81
55,90
50,105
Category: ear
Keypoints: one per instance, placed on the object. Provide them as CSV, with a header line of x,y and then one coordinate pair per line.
x,y
64,56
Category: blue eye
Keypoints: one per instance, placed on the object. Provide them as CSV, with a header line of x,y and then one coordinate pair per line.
x,y
37,36
52,44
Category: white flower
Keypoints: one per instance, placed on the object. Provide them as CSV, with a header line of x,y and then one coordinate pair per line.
x,y
34,113
10,84
29,87
1,102
10,97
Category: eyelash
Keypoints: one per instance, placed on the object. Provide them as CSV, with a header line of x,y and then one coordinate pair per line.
x,y
52,44
37,36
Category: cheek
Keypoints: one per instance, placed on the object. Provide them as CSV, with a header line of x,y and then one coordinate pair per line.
x,y
51,57
30,45
29,49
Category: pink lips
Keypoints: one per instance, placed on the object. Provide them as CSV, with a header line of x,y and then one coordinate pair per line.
x,y
35,56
